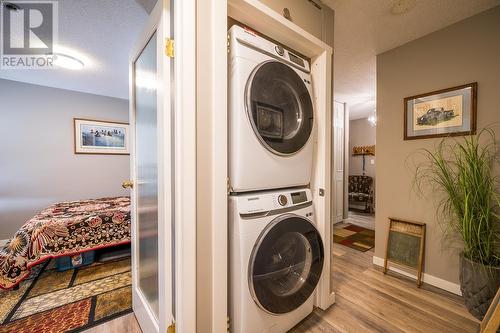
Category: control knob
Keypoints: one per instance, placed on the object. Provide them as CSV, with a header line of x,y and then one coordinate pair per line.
x,y
279,49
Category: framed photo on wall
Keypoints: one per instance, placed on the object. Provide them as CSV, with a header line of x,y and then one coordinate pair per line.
x,y
446,112
101,137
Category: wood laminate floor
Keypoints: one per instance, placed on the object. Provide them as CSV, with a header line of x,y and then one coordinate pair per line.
x,y
367,301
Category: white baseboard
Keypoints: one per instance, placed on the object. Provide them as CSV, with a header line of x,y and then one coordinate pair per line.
x,y
3,242
427,278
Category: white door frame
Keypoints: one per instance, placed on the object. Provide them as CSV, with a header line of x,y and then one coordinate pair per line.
x,y
338,161
185,164
347,154
211,94
176,165
212,134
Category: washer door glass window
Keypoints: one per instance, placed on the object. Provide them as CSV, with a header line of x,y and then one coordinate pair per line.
x,y
279,107
286,264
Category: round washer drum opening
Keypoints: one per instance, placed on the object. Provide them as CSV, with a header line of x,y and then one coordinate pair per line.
x,y
286,264
279,108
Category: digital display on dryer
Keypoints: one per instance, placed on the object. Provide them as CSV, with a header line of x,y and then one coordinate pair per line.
x,y
295,59
298,197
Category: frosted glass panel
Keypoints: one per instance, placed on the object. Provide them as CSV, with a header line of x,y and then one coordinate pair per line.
x,y
147,173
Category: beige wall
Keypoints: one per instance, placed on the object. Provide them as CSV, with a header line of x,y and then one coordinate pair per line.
x,y
465,52
361,133
38,166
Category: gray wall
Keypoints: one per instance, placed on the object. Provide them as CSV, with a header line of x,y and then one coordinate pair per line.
x,y
37,164
464,52
361,133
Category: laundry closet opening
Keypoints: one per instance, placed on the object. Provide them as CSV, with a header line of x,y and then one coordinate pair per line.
x,y
279,250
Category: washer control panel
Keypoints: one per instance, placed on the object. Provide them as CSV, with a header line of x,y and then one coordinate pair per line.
x,y
272,200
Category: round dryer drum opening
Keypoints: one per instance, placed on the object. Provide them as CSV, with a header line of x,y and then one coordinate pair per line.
x,y
286,264
279,107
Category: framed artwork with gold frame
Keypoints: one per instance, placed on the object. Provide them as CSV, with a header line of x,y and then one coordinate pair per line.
x,y
446,112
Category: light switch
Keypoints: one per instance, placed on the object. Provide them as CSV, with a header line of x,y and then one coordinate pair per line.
x,y
372,161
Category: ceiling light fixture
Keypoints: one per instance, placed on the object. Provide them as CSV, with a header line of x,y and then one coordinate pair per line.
x,y
402,6
67,61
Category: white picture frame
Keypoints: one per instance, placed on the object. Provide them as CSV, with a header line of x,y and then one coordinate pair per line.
x,y
101,137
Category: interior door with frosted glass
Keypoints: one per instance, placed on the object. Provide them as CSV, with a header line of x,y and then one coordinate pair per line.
x,y
338,160
151,167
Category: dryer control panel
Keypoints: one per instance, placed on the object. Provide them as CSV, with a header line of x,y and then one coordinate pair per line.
x,y
252,40
268,201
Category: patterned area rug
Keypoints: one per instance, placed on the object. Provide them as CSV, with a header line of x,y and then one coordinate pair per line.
x,y
355,237
69,301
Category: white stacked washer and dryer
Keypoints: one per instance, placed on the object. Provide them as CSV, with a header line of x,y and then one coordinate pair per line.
x,y
276,254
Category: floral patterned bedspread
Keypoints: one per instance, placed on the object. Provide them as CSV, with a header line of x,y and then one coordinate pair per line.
x,y
66,228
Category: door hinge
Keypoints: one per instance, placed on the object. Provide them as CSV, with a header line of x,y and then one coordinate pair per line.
x,y
170,48
171,328
228,324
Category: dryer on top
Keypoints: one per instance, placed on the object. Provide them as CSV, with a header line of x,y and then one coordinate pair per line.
x,y
270,115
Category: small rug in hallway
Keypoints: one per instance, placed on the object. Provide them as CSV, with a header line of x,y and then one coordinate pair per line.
x,y
355,237
69,301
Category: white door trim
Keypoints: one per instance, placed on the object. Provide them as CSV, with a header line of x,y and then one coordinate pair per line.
x,y
212,237
185,164
338,163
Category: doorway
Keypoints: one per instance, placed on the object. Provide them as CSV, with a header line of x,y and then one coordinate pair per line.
x,y
356,230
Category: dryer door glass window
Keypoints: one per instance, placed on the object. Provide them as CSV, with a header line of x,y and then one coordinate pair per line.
x,y
286,264
279,107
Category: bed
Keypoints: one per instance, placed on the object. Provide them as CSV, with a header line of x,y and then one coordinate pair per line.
x,y
66,228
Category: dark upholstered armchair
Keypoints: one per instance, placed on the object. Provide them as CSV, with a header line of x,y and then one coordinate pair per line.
x,y
361,193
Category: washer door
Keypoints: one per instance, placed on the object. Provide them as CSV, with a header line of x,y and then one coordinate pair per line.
x,y
286,264
279,108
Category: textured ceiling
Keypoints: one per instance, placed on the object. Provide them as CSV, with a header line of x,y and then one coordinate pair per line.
x,y
365,28
102,33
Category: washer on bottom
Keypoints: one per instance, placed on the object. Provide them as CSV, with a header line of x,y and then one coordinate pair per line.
x,y
276,259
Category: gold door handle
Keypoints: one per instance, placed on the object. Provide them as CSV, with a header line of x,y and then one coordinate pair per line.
x,y
128,184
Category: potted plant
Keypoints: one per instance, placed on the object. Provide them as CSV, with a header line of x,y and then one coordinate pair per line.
x,y
465,172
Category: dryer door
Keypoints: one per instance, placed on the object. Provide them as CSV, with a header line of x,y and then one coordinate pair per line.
x,y
279,107
286,264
